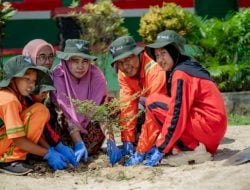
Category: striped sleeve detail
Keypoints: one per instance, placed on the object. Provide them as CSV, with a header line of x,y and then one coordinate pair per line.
x,y
176,114
15,130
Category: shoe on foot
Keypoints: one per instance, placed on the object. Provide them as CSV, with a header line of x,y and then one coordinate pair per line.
x,y
198,156
15,168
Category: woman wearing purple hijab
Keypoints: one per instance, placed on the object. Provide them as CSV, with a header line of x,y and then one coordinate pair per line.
x,y
76,78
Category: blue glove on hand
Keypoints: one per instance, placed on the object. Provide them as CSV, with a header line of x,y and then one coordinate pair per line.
x,y
154,158
67,152
150,153
55,160
135,159
114,153
81,151
128,148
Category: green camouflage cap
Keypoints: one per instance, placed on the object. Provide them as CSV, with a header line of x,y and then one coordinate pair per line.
x,y
75,47
165,38
17,67
123,47
44,85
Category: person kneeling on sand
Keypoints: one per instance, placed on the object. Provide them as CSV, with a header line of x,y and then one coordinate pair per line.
x,y
42,54
21,127
50,136
137,74
191,118
76,77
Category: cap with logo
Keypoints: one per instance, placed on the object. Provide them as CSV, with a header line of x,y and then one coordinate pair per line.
x,y
17,67
123,47
75,47
165,38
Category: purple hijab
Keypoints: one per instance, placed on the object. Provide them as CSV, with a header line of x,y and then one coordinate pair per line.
x,y
92,86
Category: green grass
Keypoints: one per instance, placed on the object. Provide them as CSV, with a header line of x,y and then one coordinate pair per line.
x,y
235,119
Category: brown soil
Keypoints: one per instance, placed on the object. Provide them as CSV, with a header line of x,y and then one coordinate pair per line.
x,y
98,174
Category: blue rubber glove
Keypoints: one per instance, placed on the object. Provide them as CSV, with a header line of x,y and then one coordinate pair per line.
x,y
67,152
81,151
150,153
55,160
155,158
135,159
114,153
128,148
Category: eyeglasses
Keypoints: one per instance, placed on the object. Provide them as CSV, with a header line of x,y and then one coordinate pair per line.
x,y
43,58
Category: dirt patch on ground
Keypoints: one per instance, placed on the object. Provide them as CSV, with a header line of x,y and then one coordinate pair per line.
x,y
98,174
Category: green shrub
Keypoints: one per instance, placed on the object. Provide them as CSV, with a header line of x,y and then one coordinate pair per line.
x,y
231,77
169,16
228,41
226,50
222,46
101,23
172,17
6,12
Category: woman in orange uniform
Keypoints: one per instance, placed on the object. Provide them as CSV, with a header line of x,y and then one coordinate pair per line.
x,y
21,128
191,118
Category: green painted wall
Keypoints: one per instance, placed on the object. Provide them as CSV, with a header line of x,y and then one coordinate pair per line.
x,y
133,23
66,3
215,8
19,32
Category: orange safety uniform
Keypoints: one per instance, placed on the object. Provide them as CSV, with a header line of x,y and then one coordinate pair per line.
x,y
16,122
192,112
151,79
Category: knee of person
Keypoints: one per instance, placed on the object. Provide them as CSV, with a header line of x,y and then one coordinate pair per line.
x,y
151,98
148,101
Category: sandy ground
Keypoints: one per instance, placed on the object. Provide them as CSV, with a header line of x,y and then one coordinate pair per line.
x,y
99,175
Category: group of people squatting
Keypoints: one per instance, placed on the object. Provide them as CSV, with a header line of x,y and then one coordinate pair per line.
x,y
184,116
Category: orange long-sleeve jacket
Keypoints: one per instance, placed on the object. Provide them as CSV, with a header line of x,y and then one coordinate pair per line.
x,y
151,80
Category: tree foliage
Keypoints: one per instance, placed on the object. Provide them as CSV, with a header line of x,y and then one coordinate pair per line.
x,y
226,50
101,23
6,12
169,16
222,46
